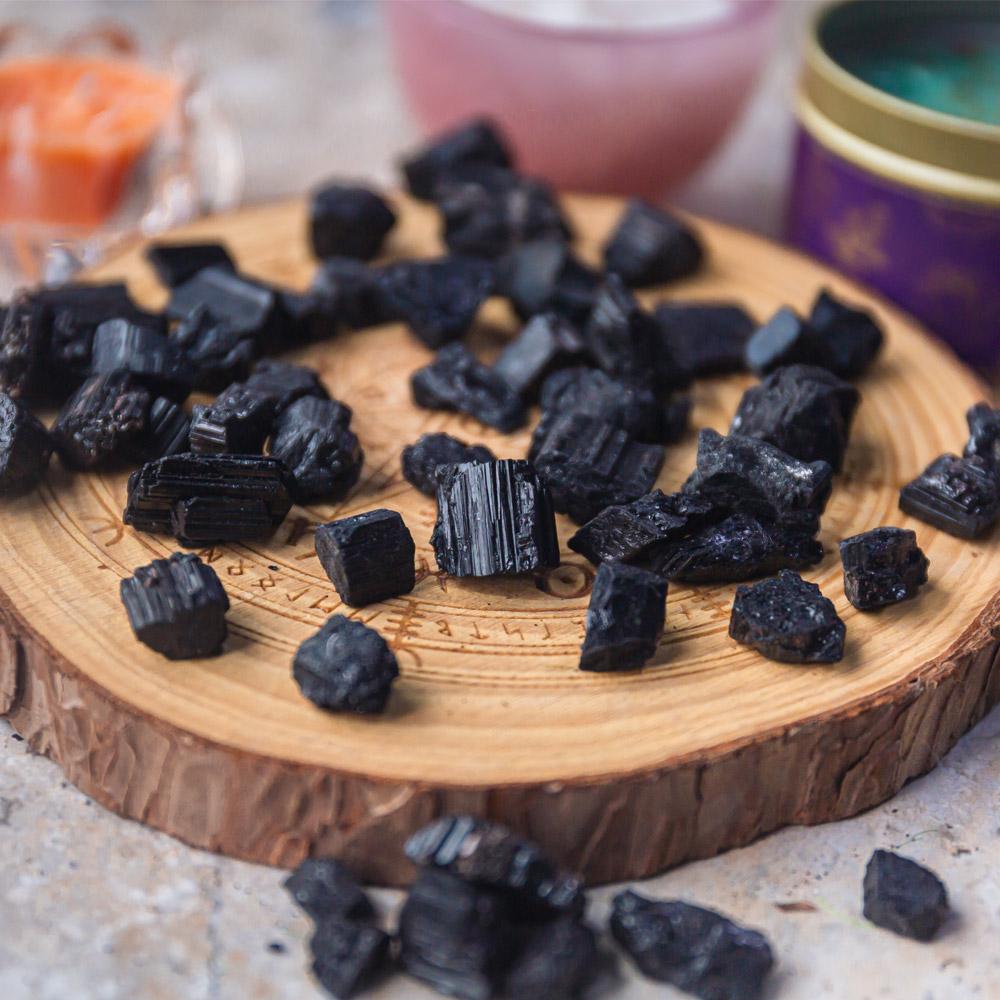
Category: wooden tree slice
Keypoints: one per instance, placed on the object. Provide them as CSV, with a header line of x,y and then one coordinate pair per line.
x,y
619,776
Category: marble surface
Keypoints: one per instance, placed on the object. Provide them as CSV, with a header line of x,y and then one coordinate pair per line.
x,y
96,908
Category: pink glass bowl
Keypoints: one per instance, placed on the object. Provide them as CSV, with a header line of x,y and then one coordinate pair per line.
x,y
630,111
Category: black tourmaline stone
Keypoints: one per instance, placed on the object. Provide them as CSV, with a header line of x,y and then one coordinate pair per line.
x,y
166,431
237,422
853,337
588,464
494,518
455,380
624,619
219,353
348,221
676,417
203,499
24,340
174,263
696,950
984,434
325,887
489,854
323,456
25,447
788,619
177,606
346,666
281,383
786,339
144,352
546,276
368,557
422,459
752,476
556,962
477,142
348,293
704,338
904,897
102,422
958,495
437,299
803,410
620,335
882,566
547,342
348,956
651,247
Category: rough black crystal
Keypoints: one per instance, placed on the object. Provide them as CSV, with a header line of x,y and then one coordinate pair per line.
x,y
547,342
25,447
557,961
348,956
348,292
422,459
703,338
651,247
904,897
853,336
786,339
154,361
694,949
174,263
620,334
281,383
219,353
882,566
177,606
346,220
546,276
787,619
166,431
237,422
24,338
958,495
493,518
984,434
325,887
368,557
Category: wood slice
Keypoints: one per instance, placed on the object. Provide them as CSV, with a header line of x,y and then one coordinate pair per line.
x,y
619,776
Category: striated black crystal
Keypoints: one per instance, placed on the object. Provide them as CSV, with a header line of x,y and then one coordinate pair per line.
x,y
703,338
325,887
620,335
787,619
557,961
154,361
984,434
853,336
368,557
281,383
786,339
493,518
24,339
174,263
546,276
348,293
220,354
422,459
166,431
958,495
696,950
177,606
651,247
882,566
237,422
348,956
25,447
904,897
346,220
455,380
547,342
624,618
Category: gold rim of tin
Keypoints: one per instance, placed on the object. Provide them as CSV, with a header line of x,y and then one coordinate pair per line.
x,y
930,150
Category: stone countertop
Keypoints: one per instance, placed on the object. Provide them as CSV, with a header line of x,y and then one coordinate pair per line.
x,y
98,908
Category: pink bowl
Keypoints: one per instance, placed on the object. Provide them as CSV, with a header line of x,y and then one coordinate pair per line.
x,y
631,111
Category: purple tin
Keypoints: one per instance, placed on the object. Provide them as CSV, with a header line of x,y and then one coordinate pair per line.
x,y
901,197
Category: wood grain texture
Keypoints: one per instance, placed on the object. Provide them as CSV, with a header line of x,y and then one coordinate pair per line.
x,y
619,776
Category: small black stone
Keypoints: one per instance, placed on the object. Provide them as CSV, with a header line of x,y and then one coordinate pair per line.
x,y
494,518
853,336
174,263
958,495
704,338
904,897
166,431
25,448
787,619
237,423
346,220
24,341
882,566
348,956
311,316
219,353
423,458
325,887
984,435
786,339
153,361
281,383
558,961
322,454
624,618
620,335
368,557
348,292
455,380
547,342
177,606
546,276
651,247
696,950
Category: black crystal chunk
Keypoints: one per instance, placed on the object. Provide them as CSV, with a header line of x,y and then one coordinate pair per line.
x,y
853,336
219,353
348,293
786,339
882,566
322,454
546,276
437,299
25,448
904,897
984,434
651,247
346,220
489,854
620,334
624,618
787,619
958,495
325,887
588,464
803,410
237,422
310,316
281,383
696,950
102,422
225,497
24,340
348,956
174,263
676,418
154,361
166,431
476,142
557,961
177,606
368,557
455,380
547,342
704,338
494,518
422,459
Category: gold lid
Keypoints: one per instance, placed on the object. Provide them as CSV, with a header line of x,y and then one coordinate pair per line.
x,y
905,142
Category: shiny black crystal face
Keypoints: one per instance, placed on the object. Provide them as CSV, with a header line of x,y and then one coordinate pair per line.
x,y
984,435
789,620
281,383
546,343
544,276
422,459
166,431
237,422
25,448
904,897
346,667
651,247
325,887
620,335
703,339
694,949
882,566
853,337
146,354
958,495
786,339
348,221
624,619
174,263
177,606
